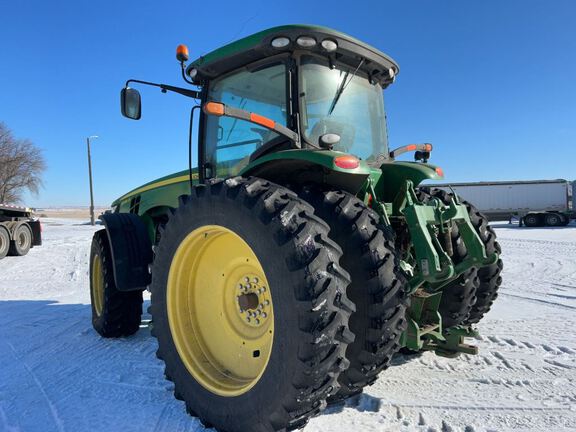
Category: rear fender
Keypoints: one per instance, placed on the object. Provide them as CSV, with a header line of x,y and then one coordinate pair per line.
x,y
299,167
131,250
394,176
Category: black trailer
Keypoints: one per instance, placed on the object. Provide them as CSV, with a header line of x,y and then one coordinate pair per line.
x,y
19,231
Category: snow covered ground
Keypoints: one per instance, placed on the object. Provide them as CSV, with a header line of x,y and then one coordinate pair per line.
x,y
57,374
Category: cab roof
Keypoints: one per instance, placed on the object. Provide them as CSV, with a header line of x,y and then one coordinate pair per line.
x,y
350,51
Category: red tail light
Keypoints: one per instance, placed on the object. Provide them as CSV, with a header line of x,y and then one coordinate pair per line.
x,y
347,162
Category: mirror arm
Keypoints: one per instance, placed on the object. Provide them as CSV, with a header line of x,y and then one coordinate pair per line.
x,y
184,77
186,92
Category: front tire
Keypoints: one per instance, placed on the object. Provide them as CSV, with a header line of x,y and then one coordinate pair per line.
x,y
378,288
114,313
249,307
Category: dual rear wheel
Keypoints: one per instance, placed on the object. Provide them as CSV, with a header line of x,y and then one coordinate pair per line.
x,y
20,243
266,304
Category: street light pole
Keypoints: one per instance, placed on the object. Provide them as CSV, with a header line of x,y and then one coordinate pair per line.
x,y
90,177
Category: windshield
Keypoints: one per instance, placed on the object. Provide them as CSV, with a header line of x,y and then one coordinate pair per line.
x,y
342,102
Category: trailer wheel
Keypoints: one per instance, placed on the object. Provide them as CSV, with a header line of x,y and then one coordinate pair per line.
x,y
553,220
114,313
4,241
458,297
22,241
378,288
533,220
249,306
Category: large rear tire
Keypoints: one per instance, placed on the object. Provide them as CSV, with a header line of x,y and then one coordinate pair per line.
x,y
378,288
114,313
249,307
489,276
22,242
4,241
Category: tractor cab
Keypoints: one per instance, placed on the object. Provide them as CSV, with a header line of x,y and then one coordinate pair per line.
x,y
289,87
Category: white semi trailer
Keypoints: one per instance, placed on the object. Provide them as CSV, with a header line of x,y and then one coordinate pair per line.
x,y
533,203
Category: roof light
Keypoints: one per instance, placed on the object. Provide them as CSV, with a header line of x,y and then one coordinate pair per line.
x,y
347,162
192,73
391,72
182,53
280,42
306,41
440,172
329,45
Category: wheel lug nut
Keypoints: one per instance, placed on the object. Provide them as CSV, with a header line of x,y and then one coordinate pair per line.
x,y
255,280
266,302
264,314
247,279
257,321
248,319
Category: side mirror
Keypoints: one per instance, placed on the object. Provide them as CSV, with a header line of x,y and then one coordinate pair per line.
x,y
130,103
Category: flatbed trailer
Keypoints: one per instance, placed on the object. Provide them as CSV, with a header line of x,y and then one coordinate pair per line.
x,y
533,202
19,230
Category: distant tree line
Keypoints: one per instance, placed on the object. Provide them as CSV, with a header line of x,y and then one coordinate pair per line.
x,y
21,166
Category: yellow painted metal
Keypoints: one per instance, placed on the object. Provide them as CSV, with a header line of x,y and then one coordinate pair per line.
x,y
97,285
220,310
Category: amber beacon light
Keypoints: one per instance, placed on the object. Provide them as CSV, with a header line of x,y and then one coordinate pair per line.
x,y
182,53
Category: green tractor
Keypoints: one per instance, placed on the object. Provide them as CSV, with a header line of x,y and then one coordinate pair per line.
x,y
299,256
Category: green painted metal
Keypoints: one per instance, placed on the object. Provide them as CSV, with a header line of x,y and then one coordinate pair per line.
x,y
424,321
257,39
324,158
425,332
395,173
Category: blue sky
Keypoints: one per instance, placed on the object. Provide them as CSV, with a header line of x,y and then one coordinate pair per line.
x,y
492,83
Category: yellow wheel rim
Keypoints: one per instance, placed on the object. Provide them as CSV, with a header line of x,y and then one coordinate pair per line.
x,y
220,310
97,285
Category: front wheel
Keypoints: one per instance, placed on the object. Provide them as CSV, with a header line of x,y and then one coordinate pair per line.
x,y
249,307
114,313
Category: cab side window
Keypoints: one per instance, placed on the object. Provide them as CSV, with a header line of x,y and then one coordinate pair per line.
x,y
229,141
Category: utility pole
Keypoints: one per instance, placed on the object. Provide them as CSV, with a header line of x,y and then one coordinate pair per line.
x,y
90,178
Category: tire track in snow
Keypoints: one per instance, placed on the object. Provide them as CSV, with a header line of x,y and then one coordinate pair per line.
x,y
51,406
